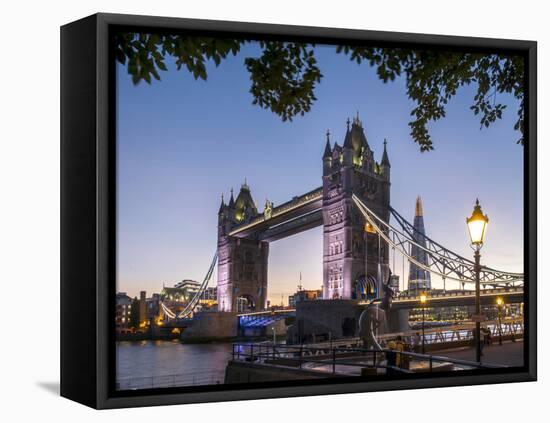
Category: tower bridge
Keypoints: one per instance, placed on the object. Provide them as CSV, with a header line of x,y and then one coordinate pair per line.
x,y
353,260
353,207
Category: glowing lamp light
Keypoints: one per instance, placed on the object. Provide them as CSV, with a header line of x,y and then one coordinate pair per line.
x,y
423,299
477,225
369,228
500,301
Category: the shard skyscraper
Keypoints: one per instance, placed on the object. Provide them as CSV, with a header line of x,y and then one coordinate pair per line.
x,y
419,279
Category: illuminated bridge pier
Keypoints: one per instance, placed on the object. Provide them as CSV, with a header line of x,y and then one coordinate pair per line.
x,y
266,323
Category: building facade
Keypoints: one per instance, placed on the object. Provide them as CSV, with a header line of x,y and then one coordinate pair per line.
x,y
153,306
304,295
143,316
123,310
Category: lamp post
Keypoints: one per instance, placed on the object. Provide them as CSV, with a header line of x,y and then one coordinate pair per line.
x,y
500,302
477,225
423,300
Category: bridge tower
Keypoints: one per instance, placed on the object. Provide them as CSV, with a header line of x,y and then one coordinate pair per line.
x,y
242,263
355,261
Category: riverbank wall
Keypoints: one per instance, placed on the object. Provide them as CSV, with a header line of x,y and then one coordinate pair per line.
x,y
211,325
243,372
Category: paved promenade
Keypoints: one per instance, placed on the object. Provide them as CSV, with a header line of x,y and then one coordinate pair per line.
x,y
509,354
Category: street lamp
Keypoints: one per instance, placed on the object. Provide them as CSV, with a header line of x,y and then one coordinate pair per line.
x,y
477,225
500,303
423,300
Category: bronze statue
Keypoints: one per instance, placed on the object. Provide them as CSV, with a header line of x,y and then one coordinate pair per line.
x,y
373,320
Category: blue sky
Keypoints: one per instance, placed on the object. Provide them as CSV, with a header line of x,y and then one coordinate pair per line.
x,y
181,143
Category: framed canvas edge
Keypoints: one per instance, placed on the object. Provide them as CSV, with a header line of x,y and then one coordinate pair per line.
x,y
314,390
104,222
530,204
78,220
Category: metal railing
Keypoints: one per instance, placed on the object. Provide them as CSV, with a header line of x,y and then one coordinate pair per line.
x,y
332,360
463,332
511,328
171,381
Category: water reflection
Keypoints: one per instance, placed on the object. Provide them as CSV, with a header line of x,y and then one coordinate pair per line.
x,y
155,364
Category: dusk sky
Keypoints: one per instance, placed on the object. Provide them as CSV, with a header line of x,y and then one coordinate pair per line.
x,y
182,143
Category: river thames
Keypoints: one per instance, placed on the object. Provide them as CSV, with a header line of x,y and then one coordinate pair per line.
x,y
159,364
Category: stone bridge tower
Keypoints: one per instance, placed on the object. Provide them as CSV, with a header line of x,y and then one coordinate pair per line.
x,y
242,263
355,261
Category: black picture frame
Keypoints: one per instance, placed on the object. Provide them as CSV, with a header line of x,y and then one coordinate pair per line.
x,y
88,189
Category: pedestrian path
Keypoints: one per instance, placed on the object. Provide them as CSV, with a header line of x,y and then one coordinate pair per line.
x,y
508,354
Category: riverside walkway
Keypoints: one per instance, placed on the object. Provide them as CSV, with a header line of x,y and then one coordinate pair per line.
x,y
508,354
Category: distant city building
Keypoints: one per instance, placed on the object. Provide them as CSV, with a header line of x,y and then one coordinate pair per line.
x,y
177,297
210,294
291,301
419,279
188,284
143,308
153,306
304,295
123,310
209,297
181,292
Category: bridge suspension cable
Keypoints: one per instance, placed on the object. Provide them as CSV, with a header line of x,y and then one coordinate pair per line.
x,y
191,305
442,261
167,311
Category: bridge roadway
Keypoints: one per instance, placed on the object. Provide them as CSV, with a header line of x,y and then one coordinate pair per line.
x,y
297,215
510,295
264,318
